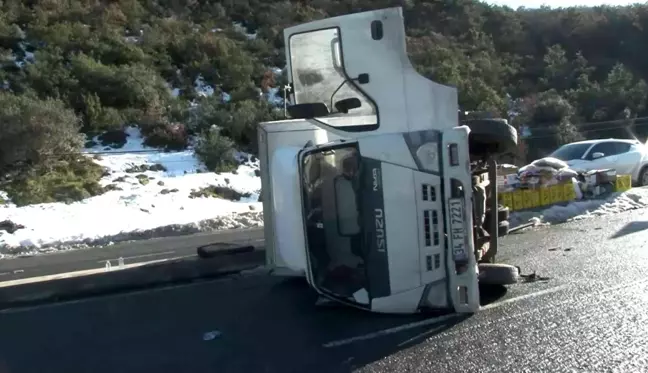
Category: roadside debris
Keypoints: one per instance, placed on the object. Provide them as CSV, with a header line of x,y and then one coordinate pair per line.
x,y
533,277
210,336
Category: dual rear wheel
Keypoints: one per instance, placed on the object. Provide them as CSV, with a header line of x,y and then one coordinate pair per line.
x,y
493,138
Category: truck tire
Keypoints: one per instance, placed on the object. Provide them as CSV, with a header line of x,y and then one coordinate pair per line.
x,y
503,214
503,228
491,137
498,274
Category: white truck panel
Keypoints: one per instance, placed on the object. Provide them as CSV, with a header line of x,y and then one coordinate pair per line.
x,y
272,137
401,228
289,241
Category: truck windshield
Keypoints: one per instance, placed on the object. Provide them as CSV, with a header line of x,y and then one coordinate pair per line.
x,y
331,187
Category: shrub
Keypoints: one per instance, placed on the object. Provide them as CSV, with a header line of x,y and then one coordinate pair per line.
x,y
99,118
167,136
35,132
219,192
70,179
216,152
238,121
115,138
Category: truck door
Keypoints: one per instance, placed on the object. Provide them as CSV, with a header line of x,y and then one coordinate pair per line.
x,y
362,56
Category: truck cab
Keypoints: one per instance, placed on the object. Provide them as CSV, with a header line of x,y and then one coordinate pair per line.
x,y
368,192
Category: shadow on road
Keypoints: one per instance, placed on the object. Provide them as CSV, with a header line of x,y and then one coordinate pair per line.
x,y
630,228
261,324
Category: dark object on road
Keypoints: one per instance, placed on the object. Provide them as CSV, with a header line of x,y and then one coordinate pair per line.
x,y
498,274
221,249
533,277
9,226
520,227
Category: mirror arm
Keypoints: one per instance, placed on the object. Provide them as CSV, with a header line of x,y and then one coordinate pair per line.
x,y
336,91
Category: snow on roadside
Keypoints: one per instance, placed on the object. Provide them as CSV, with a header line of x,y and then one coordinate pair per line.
x,y
578,210
151,197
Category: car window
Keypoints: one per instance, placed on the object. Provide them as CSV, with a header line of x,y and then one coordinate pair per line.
x,y
570,152
622,147
607,148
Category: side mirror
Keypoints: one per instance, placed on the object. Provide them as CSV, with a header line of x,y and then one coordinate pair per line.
x,y
343,106
597,155
308,111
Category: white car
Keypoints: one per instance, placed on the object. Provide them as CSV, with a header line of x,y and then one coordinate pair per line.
x,y
627,157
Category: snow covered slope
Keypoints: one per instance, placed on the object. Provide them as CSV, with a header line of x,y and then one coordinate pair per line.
x,y
156,193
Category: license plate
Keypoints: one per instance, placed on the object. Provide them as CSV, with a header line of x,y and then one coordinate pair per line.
x,y
457,229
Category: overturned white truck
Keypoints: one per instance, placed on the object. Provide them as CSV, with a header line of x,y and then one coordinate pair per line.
x,y
368,193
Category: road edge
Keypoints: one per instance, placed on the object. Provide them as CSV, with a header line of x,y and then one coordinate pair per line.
x,y
156,274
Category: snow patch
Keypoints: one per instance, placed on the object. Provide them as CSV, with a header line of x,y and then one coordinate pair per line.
x,y
151,196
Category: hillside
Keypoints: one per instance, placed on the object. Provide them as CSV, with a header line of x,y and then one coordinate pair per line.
x,y
201,74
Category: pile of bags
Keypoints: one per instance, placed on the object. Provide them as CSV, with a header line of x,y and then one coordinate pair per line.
x,y
546,171
543,172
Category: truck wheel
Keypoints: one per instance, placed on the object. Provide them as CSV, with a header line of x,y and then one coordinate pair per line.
x,y
498,274
503,228
503,214
491,137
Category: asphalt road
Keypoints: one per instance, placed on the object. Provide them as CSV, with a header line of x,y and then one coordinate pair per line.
x,y
590,316
131,252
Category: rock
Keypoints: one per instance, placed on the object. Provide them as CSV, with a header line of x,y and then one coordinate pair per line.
x,y
9,226
160,183
157,167
257,173
143,179
111,187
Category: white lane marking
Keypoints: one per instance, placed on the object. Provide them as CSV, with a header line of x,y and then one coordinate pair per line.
x,y
139,256
421,336
525,296
14,272
389,331
436,320
80,273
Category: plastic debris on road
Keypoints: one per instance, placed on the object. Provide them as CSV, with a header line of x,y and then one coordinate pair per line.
x,y
209,336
